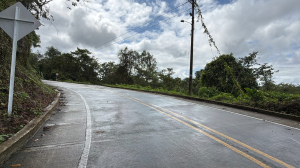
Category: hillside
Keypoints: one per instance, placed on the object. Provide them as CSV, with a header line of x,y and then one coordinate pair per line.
x,y
30,94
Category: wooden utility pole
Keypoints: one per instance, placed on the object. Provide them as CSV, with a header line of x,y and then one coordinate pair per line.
x,y
192,46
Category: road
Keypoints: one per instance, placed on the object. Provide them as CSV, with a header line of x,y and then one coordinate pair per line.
x,y
97,126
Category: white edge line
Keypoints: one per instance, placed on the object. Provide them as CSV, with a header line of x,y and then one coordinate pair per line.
x,y
252,117
88,135
295,141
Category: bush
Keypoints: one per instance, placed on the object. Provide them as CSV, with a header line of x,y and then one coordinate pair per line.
x,y
224,97
255,95
291,105
207,92
147,88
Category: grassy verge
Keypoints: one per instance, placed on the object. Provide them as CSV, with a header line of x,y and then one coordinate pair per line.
x,y
273,101
31,96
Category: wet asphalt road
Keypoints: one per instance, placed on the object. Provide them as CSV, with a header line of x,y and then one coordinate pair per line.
x,y
97,126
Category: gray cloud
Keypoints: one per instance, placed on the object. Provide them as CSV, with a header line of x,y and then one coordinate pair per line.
x,y
89,31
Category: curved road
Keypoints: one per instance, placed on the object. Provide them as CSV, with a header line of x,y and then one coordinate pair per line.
x,y
97,126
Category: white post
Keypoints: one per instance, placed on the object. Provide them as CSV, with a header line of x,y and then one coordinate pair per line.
x,y
13,62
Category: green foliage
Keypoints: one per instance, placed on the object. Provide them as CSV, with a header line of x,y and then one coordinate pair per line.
x,y
77,66
224,97
165,77
52,52
230,75
107,71
4,137
145,69
207,92
286,88
291,105
255,95
221,73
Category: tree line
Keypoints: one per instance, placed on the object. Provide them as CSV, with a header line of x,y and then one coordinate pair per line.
x,y
225,73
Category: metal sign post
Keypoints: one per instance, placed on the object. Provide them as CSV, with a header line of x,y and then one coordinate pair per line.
x,y
13,62
17,22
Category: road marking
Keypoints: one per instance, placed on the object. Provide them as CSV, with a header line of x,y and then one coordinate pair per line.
x,y
203,126
205,133
88,135
249,117
295,141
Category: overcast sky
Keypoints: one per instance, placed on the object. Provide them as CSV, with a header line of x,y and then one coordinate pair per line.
x,y
271,27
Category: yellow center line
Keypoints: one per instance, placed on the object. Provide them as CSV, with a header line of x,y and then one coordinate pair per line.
x,y
205,133
223,135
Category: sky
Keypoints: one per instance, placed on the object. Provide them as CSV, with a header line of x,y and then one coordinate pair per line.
x,y
104,27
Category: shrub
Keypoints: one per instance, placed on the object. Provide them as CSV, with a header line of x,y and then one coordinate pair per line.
x,y
291,105
225,97
255,95
147,88
207,92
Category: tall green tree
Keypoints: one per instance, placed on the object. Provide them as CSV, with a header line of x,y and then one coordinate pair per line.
x,y
52,52
88,67
127,60
107,72
166,78
145,68
224,72
229,74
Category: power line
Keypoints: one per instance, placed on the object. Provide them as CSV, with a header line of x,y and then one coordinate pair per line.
x,y
145,29
142,25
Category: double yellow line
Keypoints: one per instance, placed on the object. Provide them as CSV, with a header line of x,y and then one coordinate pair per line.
x,y
159,109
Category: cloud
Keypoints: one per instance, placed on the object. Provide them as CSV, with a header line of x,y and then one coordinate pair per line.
x,y
90,30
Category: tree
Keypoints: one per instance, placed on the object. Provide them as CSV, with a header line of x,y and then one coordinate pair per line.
x,y
127,60
88,67
218,73
107,71
230,75
77,66
166,78
263,73
52,52
145,69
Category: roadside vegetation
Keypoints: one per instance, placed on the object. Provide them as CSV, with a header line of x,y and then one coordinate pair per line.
x,y
241,81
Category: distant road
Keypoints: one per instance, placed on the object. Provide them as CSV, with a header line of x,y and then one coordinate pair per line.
x,y
122,128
